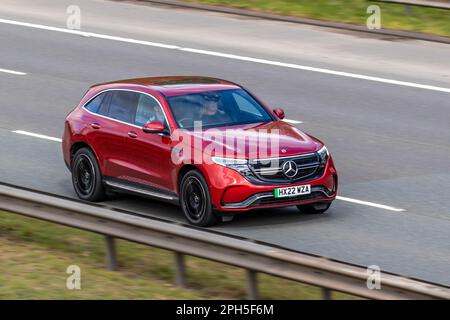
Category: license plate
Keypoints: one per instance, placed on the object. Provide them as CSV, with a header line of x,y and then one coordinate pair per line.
x,y
292,191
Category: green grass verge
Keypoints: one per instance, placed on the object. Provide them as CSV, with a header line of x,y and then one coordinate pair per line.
x,y
393,16
34,256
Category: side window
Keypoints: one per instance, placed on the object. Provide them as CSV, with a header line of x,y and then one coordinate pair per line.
x,y
148,110
95,103
104,107
123,105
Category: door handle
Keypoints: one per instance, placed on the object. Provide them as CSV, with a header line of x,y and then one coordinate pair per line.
x,y
132,134
95,125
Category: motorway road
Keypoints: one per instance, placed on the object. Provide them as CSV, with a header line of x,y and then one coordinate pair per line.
x,y
390,140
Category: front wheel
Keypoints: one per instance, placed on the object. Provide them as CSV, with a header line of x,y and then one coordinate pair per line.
x,y
315,208
195,200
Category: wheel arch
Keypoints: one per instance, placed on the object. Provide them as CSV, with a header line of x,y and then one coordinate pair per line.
x,y
79,145
185,169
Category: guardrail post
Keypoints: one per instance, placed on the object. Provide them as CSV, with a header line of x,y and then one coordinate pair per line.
x,y
252,285
326,294
111,256
180,270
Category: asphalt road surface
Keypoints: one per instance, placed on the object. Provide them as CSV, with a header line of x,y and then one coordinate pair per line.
x,y
382,106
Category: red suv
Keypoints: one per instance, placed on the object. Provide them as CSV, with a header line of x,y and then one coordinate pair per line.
x,y
207,144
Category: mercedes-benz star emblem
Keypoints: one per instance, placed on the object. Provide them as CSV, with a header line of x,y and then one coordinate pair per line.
x,y
290,169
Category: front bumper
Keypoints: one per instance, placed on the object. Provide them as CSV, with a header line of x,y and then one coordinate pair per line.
x,y
267,199
230,192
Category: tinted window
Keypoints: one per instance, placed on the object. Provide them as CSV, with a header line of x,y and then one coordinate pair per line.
x,y
95,103
148,110
104,107
217,108
123,105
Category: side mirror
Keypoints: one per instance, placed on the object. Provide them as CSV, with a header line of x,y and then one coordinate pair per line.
x,y
153,127
279,113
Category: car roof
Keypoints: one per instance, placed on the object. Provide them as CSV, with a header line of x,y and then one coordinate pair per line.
x,y
174,85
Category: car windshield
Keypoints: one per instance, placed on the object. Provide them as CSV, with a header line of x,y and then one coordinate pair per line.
x,y
216,109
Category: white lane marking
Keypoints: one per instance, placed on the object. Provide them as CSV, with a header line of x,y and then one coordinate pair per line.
x,y
87,34
320,70
229,56
292,121
40,136
370,204
366,203
13,72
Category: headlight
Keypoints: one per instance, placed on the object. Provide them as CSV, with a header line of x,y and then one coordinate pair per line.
x,y
324,155
239,165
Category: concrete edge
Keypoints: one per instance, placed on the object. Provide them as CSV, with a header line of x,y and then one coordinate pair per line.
x,y
277,17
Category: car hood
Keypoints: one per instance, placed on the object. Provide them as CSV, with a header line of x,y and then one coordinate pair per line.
x,y
256,140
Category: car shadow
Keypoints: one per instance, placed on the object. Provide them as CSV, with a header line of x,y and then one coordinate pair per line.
x,y
255,218
272,217
146,206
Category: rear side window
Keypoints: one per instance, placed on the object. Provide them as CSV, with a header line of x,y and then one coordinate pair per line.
x,y
95,103
123,106
104,107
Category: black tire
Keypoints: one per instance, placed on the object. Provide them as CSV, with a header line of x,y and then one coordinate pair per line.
x,y
316,208
195,200
86,176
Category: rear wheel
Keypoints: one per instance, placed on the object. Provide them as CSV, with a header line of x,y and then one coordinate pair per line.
x,y
86,176
195,200
315,208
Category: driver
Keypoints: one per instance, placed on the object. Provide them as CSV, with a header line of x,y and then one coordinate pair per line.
x,y
211,114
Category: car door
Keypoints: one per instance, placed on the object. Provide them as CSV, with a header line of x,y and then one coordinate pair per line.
x,y
149,154
108,130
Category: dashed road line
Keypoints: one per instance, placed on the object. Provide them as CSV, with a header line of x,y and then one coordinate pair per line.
x,y
18,73
292,121
36,135
370,204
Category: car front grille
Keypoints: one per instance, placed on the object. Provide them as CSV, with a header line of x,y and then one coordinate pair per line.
x,y
309,167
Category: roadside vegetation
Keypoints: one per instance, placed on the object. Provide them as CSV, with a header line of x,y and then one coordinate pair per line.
x,y
393,16
34,256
